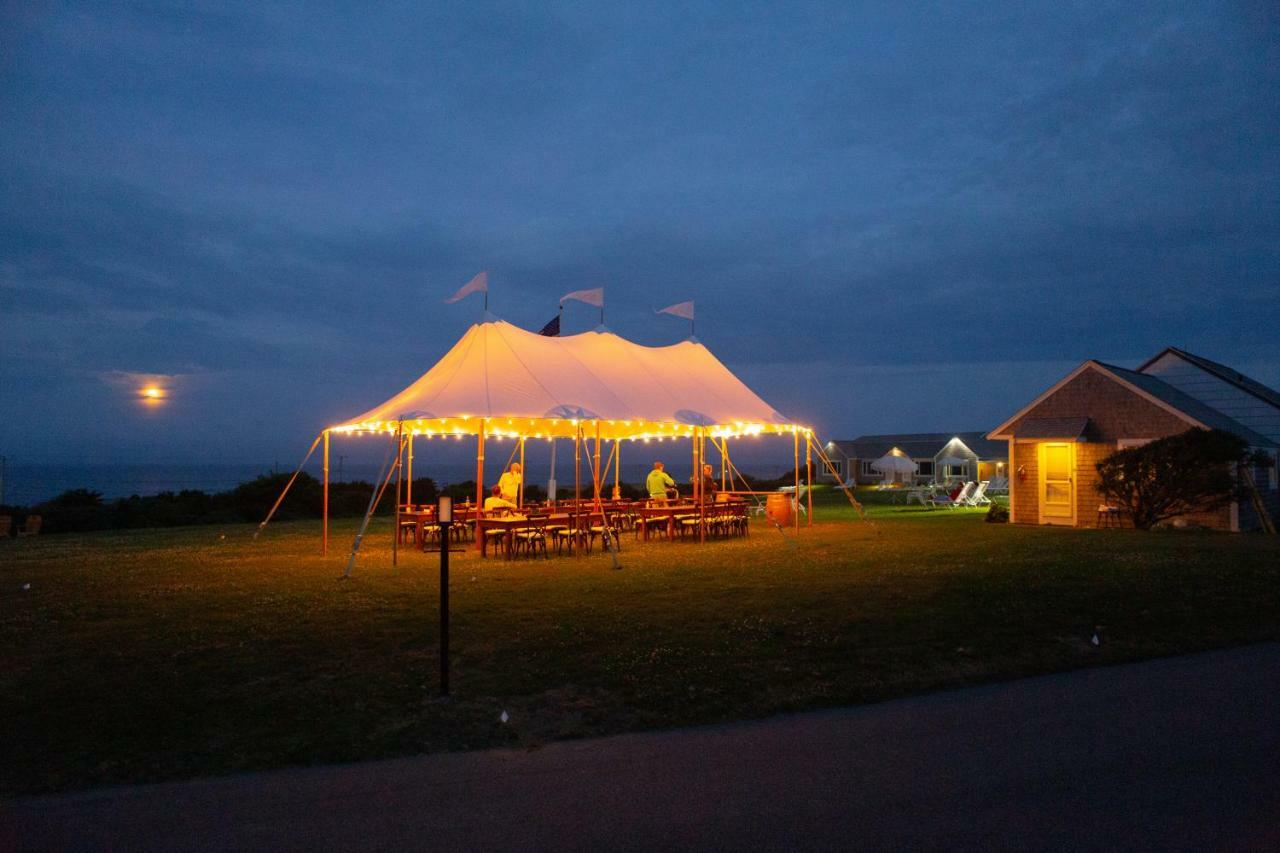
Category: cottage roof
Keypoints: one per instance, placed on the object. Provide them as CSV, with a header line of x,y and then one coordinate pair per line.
x,y
1222,371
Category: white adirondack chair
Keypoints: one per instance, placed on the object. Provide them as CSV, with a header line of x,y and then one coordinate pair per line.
x,y
979,496
960,500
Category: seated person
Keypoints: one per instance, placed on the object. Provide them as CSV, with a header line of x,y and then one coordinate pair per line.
x,y
496,504
659,484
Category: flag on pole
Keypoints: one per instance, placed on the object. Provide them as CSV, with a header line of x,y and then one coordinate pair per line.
x,y
552,329
595,297
680,309
479,284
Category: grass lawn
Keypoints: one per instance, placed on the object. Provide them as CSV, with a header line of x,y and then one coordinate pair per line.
x,y
148,655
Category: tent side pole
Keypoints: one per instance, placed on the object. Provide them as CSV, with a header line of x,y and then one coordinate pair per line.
x,y
289,485
617,468
480,480
577,485
723,447
395,533
408,480
520,493
702,496
551,481
808,475
324,501
596,474
795,434
375,497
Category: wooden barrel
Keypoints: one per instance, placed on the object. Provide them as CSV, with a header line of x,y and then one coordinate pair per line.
x,y
778,508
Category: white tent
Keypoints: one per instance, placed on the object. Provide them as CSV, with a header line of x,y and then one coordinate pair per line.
x,y
503,380
892,464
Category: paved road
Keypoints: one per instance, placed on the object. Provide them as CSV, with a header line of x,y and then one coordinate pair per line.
x,y
1182,753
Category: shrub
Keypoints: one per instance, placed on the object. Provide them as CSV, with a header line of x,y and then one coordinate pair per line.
x,y
1189,472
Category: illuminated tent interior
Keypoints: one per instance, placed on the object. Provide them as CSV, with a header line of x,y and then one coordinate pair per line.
x,y
500,381
507,381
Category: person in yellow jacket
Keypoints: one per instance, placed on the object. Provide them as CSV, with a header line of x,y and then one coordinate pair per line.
x,y
659,484
509,483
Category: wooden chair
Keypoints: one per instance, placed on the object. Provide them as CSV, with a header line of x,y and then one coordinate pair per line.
x,y
32,526
531,538
6,525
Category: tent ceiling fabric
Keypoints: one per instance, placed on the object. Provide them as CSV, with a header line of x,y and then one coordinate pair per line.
x,y
517,382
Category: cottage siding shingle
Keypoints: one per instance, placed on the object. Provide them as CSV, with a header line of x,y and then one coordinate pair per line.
x,y
1115,412
1246,407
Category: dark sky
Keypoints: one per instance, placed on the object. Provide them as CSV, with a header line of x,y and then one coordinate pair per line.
x,y
892,217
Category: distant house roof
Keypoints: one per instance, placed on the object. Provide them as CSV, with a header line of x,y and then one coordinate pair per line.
x,y
920,445
1226,374
1072,429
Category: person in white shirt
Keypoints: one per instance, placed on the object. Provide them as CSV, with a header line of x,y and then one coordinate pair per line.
x,y
497,504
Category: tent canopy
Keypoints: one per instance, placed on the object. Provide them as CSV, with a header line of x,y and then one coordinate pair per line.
x,y
510,381
891,463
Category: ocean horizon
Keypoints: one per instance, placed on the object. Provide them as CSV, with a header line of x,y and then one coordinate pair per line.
x,y
25,484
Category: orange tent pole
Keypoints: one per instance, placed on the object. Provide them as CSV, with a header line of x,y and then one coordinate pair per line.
x,y
702,497
520,499
617,467
408,485
324,502
577,486
596,474
479,479
795,434
395,536
808,475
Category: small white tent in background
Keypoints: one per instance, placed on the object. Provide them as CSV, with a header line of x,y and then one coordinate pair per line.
x,y
892,465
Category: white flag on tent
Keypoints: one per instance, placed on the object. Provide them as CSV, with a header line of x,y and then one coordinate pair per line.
x,y
595,297
479,284
680,309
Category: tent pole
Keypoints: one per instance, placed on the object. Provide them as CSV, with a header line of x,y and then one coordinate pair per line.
x,y
808,475
324,501
289,485
724,463
395,533
795,434
596,474
479,479
384,477
617,467
551,482
702,497
577,484
520,499
408,480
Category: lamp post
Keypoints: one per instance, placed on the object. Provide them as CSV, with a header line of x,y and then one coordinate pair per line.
x,y
444,517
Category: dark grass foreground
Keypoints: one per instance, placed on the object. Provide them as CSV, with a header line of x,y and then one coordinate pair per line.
x,y
152,655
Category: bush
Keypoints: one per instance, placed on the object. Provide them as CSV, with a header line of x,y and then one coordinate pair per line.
x,y
997,514
1193,471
